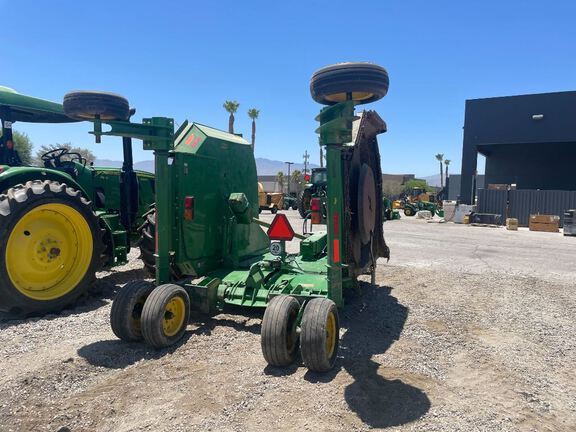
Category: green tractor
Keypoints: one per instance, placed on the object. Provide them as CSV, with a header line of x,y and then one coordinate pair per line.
x,y
211,250
315,188
290,202
411,208
62,222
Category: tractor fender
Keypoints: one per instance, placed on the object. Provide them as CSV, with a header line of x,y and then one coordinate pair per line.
x,y
12,176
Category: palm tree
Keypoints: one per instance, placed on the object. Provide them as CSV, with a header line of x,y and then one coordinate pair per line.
x,y
231,107
253,113
296,179
447,162
280,180
440,158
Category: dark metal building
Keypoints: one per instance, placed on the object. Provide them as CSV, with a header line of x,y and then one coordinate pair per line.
x,y
528,140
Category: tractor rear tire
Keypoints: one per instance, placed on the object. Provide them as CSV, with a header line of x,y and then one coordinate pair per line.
x,y
319,335
89,105
165,315
304,203
363,82
126,313
279,338
50,248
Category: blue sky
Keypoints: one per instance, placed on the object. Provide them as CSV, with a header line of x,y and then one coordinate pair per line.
x,y
183,59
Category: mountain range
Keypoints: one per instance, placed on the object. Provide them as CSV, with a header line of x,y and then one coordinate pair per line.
x,y
263,166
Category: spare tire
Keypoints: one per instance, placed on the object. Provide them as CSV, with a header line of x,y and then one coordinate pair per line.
x,y
365,82
89,105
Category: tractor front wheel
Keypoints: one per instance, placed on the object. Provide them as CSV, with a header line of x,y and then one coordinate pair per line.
x,y
126,313
147,244
279,338
319,335
408,211
304,203
50,247
165,315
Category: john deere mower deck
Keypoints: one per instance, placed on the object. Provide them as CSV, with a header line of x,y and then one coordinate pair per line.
x,y
211,250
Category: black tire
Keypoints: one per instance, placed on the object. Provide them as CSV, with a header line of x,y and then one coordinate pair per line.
x,y
20,209
408,211
295,207
147,244
127,309
274,210
88,105
304,203
279,338
314,333
366,82
156,313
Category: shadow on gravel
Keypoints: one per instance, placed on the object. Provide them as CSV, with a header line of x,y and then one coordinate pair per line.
x,y
374,321
116,354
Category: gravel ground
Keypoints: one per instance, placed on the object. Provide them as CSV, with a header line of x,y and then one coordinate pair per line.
x,y
470,329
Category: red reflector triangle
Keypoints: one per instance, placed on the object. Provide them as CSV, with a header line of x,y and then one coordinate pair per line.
x,y
280,228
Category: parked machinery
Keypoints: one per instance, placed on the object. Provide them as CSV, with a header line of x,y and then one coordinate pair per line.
x,y
315,188
62,222
211,249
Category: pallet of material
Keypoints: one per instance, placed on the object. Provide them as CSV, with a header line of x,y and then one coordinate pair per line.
x,y
512,224
484,225
544,223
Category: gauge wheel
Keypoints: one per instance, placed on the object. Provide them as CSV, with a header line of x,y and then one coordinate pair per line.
x,y
50,247
360,82
165,315
126,312
89,105
279,337
319,335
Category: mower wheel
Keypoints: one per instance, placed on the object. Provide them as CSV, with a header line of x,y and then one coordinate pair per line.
x,y
89,105
274,210
279,338
50,246
165,315
408,211
295,207
363,82
319,335
127,310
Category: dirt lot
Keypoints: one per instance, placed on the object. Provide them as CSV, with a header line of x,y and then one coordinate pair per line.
x,y
470,329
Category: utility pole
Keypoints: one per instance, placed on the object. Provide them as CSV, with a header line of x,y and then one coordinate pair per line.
x,y
289,164
306,156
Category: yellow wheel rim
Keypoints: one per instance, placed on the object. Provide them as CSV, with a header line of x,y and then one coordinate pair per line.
x,y
331,334
174,315
356,96
49,251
